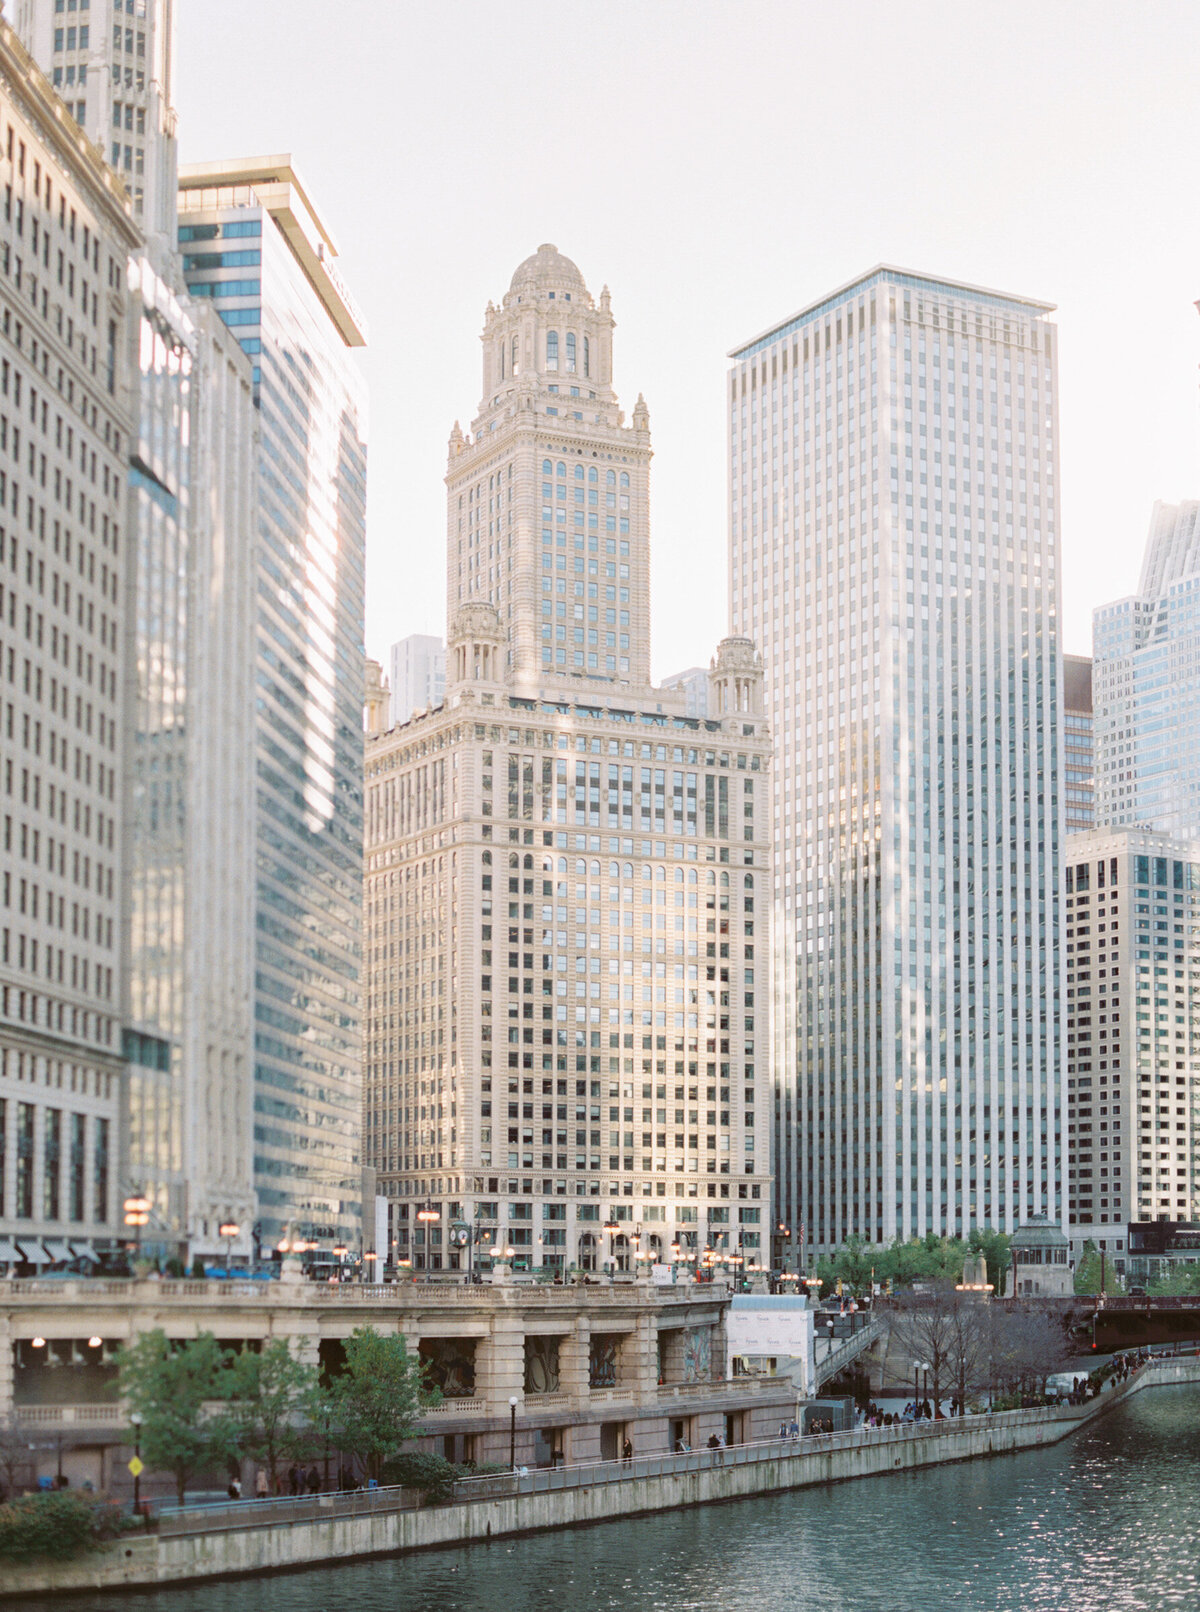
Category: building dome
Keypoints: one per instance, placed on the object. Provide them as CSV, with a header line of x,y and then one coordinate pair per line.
x,y
547,269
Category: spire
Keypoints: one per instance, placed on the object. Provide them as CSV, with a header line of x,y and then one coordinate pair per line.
x,y
641,415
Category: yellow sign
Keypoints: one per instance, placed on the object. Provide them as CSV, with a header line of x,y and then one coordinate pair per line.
x,y
137,1466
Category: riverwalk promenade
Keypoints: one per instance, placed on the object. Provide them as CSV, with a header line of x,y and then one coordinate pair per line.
x,y
277,1535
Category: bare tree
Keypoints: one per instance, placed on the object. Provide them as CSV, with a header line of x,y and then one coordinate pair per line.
x,y
14,1452
926,1327
1028,1347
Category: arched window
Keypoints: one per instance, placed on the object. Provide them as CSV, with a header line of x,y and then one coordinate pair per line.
x,y
587,356
570,352
501,360
624,478
562,469
547,468
515,365
578,472
593,474
552,349
611,478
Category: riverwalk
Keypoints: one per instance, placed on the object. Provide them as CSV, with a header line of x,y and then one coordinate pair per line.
x,y
278,1535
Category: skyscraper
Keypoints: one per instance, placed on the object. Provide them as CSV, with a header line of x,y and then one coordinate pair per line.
x,y
1132,919
255,247
894,550
417,674
65,738
567,914
1079,745
1147,686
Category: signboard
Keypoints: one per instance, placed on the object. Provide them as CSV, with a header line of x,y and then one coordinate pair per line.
x,y
662,1275
137,1466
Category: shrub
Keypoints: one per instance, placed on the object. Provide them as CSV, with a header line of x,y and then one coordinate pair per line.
x,y
417,1469
57,1526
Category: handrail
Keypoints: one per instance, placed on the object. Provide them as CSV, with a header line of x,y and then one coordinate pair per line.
x,y
250,1513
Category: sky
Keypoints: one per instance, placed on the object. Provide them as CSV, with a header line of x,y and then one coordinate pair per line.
x,y
720,164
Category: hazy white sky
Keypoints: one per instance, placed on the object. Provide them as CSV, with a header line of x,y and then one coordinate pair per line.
x,y
720,164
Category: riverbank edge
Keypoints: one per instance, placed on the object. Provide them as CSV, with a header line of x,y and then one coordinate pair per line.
x,y
151,1562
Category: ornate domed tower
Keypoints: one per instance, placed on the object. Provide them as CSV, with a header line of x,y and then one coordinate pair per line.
x,y
548,495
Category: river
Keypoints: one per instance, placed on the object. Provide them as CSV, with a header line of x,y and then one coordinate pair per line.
x,y
1105,1521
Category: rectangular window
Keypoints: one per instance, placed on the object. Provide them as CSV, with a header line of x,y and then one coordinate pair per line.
x,y
78,1166
100,1170
24,1203
51,1163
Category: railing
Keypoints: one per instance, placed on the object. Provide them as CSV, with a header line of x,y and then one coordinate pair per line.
x,y
69,1415
462,1406
86,1290
848,1349
540,1480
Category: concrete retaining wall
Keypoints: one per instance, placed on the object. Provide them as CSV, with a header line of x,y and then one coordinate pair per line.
x,y
835,1458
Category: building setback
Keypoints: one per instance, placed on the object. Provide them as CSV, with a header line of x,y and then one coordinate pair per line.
x,y
1079,747
65,568
894,550
1132,940
417,667
567,924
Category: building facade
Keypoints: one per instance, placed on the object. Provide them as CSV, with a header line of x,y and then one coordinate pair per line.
x,y
1132,941
417,674
894,550
693,685
567,930
1079,746
255,249
1147,686
112,61
66,423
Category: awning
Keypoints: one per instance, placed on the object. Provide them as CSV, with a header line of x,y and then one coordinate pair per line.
x,y
9,1253
32,1252
85,1252
58,1249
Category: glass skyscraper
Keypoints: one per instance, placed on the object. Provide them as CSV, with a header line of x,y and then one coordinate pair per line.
x,y
1147,686
894,552
253,244
1079,754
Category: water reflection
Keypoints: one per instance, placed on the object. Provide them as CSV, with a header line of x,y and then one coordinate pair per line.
x,y
1106,1520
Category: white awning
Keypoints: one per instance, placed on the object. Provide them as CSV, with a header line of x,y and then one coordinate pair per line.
x,y
84,1252
9,1253
58,1249
33,1253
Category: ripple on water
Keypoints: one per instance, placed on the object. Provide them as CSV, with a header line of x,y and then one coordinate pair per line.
x,y
1103,1522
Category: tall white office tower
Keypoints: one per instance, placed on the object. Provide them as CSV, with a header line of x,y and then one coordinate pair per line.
x,y
567,936
112,63
894,550
65,743
255,247
417,674
1147,686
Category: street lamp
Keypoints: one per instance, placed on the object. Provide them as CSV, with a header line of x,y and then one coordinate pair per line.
x,y
136,1420
919,1366
339,1252
137,1215
228,1229
612,1228
512,1433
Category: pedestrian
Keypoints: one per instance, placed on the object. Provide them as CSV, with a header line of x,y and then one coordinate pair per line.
x,y
314,1481
235,1489
627,1451
783,1430
261,1488
293,1479
794,1429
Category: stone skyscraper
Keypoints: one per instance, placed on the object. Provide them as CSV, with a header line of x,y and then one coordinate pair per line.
x,y
567,893
894,551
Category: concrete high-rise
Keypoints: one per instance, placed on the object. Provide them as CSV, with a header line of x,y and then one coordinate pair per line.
x,y
894,551
1132,920
567,903
417,674
256,249
1147,686
66,562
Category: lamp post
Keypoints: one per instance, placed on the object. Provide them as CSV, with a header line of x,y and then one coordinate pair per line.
x,y
136,1420
228,1229
612,1228
340,1251
512,1433
137,1215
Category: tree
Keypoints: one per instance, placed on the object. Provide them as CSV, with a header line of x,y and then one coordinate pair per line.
x,y
927,1329
377,1399
1088,1272
171,1385
1179,1281
1028,1346
270,1392
14,1452
994,1246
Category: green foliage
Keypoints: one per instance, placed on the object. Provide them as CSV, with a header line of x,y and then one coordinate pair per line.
x,y
271,1392
921,1259
1087,1272
58,1526
377,1399
171,1385
1179,1282
198,1271
419,1469
175,1267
